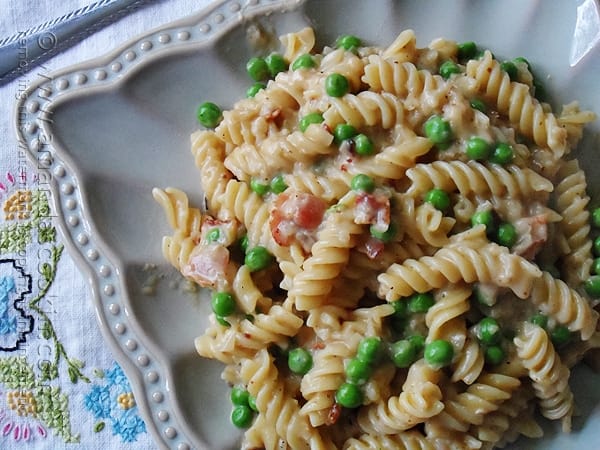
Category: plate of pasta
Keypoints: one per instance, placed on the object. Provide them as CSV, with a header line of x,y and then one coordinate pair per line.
x,y
330,225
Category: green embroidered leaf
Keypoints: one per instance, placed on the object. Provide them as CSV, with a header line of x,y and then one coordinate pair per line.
x,y
99,427
46,330
46,233
48,371
47,271
73,374
53,410
77,363
16,373
39,205
15,237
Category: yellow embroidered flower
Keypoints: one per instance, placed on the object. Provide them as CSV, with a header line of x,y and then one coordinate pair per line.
x,y
126,400
22,402
18,206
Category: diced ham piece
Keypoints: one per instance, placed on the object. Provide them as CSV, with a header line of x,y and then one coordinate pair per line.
x,y
372,247
533,234
373,209
207,264
295,216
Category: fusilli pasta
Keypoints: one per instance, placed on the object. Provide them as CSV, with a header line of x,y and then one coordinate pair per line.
x,y
398,244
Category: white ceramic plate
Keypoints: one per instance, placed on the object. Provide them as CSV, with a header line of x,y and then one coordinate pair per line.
x,y
108,130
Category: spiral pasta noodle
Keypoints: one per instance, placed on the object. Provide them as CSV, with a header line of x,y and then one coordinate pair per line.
x,y
420,399
515,100
398,246
571,201
490,264
476,178
550,377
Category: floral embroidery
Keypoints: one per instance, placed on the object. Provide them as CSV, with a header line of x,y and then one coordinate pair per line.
x,y
17,233
114,402
28,406
34,403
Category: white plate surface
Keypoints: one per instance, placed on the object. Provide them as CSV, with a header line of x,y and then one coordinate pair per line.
x,y
106,131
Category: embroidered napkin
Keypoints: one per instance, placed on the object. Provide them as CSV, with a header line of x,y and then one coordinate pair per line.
x,y
60,386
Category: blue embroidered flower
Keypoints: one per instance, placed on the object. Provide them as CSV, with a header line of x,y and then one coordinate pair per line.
x,y
98,402
116,377
114,402
128,425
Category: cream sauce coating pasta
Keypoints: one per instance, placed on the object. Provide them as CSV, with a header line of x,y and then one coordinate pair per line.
x,y
406,269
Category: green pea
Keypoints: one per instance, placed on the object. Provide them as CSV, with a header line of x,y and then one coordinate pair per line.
x,y
503,154
363,145
305,61
310,119
439,353
223,304
506,235
478,148
383,236
300,361
343,131
278,184
358,371
418,341
494,354
336,85
420,303
484,218
488,331
438,198
362,182
257,185
348,42
257,69
209,114
242,416
400,308
596,217
597,246
252,403
254,89
369,349
560,335
213,235
466,50
221,321
403,353
510,68
276,64
539,319
522,60
592,286
596,266
349,395
239,396
438,130
243,243
448,68
478,104
258,258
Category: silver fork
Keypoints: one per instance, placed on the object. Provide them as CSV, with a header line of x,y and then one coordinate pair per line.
x,y
25,50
